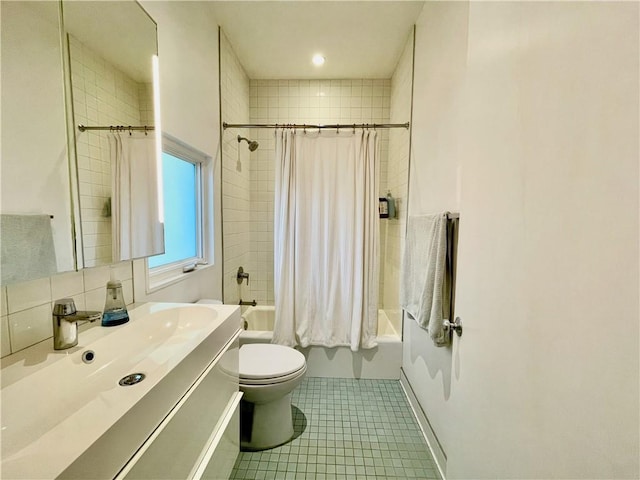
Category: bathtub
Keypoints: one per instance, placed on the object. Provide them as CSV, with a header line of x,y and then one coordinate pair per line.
x,y
381,362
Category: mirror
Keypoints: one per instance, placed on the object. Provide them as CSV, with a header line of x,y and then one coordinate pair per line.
x,y
36,222
111,49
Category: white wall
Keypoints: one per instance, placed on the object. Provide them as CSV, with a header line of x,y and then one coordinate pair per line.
x,y
526,120
188,51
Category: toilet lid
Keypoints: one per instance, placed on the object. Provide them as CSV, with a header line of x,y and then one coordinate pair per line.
x,y
266,360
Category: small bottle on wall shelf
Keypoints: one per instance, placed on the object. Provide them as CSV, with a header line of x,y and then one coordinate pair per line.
x,y
383,207
391,205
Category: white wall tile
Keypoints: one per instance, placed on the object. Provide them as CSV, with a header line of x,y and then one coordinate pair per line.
x,y
22,296
79,302
96,277
3,301
30,304
127,291
5,344
30,326
67,285
304,101
122,271
102,94
237,161
94,299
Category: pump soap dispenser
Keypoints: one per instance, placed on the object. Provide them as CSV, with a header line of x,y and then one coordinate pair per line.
x,y
115,310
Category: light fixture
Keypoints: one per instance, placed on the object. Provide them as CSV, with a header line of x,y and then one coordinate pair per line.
x,y
155,65
318,60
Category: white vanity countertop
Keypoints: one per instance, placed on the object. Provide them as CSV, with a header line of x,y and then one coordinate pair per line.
x,y
54,406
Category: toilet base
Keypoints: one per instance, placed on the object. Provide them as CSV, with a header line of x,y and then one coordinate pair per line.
x,y
265,425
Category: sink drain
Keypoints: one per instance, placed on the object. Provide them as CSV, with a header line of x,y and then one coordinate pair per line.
x,y
131,379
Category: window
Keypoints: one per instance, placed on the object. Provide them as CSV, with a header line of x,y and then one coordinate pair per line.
x,y
183,212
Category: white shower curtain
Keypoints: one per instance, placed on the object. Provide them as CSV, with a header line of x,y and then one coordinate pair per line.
x,y
326,239
136,227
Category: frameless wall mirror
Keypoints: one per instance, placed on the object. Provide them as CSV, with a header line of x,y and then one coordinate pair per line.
x,y
36,221
112,45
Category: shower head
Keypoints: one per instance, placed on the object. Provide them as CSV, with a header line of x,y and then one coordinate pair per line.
x,y
252,144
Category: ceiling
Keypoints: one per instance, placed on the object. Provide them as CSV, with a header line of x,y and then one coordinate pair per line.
x,y
276,39
121,32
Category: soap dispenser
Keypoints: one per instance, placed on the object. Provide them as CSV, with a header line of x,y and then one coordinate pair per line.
x,y
115,310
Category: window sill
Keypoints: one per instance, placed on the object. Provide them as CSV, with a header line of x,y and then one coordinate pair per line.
x,y
154,285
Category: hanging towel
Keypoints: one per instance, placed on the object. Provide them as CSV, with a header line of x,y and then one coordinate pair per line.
x,y
137,230
424,288
27,250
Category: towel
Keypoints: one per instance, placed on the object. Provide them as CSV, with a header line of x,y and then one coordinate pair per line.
x,y
424,290
27,250
135,218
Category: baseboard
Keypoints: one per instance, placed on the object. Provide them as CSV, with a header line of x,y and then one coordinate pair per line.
x,y
429,435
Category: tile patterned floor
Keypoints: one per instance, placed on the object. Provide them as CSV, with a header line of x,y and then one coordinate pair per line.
x,y
345,429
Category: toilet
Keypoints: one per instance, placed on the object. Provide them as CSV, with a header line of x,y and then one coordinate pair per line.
x,y
268,375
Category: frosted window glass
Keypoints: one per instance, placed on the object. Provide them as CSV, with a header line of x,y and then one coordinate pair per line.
x,y
180,211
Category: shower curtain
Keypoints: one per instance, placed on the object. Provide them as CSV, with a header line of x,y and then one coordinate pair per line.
x,y
326,239
135,220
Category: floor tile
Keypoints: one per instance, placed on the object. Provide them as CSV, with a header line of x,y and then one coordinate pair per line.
x,y
346,429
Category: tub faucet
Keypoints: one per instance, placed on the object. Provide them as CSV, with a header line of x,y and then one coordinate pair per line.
x,y
65,322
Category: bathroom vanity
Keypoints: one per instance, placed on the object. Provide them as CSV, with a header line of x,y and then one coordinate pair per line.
x,y
65,414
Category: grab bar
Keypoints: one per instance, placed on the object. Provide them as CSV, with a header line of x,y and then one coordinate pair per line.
x,y
252,303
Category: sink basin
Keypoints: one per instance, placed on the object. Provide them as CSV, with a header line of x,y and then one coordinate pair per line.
x,y
55,406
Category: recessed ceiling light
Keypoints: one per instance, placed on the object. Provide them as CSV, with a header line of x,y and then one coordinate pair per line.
x,y
317,59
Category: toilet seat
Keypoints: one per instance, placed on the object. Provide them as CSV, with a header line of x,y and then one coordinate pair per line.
x,y
273,380
265,363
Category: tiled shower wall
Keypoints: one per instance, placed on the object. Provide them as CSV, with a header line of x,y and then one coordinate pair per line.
x,y
26,307
302,101
102,95
398,183
248,177
236,164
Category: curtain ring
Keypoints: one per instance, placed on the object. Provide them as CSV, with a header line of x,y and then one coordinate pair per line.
x,y
304,128
145,130
354,128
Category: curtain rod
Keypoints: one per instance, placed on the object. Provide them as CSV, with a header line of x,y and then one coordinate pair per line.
x,y
226,125
119,128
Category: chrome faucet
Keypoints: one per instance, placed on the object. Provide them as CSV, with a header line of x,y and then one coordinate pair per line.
x,y
65,322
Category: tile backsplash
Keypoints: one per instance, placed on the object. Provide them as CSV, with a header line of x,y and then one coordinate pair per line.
x,y
26,307
236,167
